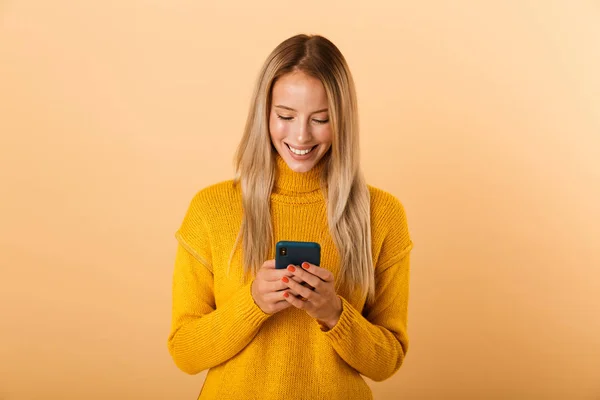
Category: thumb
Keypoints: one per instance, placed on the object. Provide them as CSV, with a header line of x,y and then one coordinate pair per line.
x,y
269,264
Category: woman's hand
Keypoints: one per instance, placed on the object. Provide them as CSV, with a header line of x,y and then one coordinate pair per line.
x,y
321,302
268,288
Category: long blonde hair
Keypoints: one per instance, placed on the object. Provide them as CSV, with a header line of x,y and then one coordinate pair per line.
x,y
345,189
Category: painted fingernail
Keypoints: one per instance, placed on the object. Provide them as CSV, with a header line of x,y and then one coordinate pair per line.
x,y
285,279
291,268
305,265
286,294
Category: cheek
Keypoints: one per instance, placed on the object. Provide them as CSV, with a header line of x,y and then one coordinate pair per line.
x,y
323,133
278,128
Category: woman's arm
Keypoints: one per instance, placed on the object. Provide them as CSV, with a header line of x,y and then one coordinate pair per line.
x,y
375,341
203,336
375,344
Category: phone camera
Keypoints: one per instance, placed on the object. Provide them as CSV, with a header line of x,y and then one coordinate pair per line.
x,y
283,251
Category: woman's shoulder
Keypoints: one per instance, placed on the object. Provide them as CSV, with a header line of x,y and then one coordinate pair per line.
x,y
385,202
217,193
389,224
210,208
209,201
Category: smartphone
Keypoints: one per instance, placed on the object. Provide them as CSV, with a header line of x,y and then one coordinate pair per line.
x,y
291,252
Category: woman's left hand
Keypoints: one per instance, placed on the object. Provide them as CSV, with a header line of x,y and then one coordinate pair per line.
x,y
321,303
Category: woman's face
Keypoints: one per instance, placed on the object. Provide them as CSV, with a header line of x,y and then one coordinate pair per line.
x,y
299,120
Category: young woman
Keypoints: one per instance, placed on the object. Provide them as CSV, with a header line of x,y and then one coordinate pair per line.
x,y
305,332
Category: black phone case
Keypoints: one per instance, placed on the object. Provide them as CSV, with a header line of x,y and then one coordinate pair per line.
x,y
296,253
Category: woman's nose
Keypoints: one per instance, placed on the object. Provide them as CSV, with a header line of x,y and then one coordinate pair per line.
x,y
303,134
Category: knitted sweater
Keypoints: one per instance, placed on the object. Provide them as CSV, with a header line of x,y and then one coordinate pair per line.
x,y
216,324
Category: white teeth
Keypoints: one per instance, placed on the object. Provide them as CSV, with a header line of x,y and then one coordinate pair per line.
x,y
300,152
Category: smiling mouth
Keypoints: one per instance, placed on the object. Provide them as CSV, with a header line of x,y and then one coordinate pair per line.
x,y
300,152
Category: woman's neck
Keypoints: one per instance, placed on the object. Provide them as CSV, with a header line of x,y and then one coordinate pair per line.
x,y
289,181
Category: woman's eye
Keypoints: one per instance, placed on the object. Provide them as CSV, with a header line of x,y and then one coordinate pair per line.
x,y
317,121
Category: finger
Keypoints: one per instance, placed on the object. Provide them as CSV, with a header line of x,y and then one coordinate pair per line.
x,y
281,305
276,274
273,302
305,284
280,285
296,302
276,307
313,280
298,288
273,297
322,273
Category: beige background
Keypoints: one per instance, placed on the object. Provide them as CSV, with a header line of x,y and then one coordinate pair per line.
x,y
483,119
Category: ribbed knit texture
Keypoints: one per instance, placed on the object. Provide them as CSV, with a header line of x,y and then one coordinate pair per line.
x,y
252,355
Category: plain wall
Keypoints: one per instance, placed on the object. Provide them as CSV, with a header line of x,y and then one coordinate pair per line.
x,y
483,118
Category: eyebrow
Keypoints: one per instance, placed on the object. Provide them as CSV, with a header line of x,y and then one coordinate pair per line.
x,y
291,109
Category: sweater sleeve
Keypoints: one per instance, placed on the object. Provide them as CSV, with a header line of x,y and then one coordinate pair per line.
x,y
375,341
203,335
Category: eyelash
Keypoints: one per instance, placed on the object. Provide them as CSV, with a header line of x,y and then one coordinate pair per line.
x,y
318,121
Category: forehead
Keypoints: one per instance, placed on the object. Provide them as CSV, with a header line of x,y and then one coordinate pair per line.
x,y
299,91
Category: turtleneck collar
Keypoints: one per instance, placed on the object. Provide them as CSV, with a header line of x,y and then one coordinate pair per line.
x,y
290,182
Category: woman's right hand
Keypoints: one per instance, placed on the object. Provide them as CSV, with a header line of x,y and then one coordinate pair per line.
x,y
268,289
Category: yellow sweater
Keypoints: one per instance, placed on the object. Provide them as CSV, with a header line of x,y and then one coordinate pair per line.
x,y
253,355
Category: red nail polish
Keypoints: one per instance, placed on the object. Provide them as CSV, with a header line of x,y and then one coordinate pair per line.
x,y
291,268
285,279
305,265
286,294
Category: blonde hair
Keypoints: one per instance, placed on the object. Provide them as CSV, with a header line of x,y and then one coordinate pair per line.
x,y
345,189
